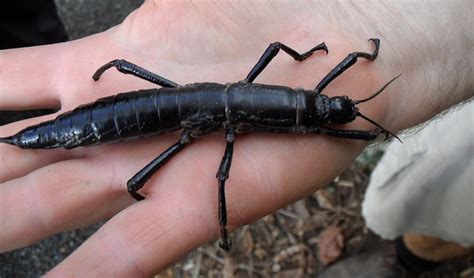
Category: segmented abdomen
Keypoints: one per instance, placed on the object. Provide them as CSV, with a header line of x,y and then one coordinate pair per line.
x,y
199,108
121,117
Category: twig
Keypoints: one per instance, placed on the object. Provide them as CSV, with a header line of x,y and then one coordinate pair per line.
x,y
197,268
289,214
212,255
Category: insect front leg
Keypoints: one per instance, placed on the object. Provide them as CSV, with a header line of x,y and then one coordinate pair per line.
x,y
130,68
350,134
140,178
350,60
222,176
273,50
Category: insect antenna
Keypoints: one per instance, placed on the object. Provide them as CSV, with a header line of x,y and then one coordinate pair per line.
x,y
378,92
386,131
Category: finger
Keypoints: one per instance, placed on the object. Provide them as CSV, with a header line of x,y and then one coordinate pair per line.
x,y
28,72
16,162
60,75
73,193
44,72
181,213
59,197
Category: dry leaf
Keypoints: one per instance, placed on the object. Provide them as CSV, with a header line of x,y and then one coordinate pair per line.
x,y
301,210
229,267
346,183
247,244
331,242
325,199
288,252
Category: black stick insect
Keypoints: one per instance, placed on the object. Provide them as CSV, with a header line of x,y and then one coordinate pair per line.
x,y
201,108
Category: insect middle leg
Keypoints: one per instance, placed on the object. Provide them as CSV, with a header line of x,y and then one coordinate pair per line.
x,y
222,176
130,68
140,178
273,50
350,60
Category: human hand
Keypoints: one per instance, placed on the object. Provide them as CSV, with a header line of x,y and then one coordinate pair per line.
x,y
44,192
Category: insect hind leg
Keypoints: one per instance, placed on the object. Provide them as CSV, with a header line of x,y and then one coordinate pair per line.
x,y
129,68
222,175
140,178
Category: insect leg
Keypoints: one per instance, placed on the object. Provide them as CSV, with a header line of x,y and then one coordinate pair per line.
x,y
272,51
222,176
138,181
350,134
130,68
350,60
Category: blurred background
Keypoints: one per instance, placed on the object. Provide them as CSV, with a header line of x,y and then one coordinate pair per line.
x,y
297,241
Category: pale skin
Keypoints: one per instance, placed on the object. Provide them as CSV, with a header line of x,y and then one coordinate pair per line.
x,y
45,192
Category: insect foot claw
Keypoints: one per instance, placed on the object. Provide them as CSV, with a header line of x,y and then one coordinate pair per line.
x,y
137,196
131,187
226,245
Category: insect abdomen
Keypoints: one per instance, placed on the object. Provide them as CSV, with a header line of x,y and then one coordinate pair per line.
x,y
115,118
126,116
